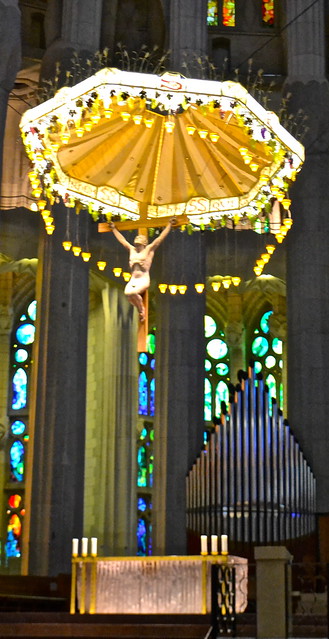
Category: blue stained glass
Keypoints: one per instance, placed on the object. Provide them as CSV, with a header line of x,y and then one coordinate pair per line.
x,y
143,434
17,461
222,395
141,504
21,355
152,364
19,389
17,427
222,369
258,367
32,310
22,318
152,397
217,348
207,400
143,359
209,326
259,346
141,465
25,334
264,322
12,546
143,394
141,537
151,471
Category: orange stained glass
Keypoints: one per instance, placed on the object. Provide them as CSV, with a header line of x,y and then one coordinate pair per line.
x,y
15,525
212,15
229,13
268,11
14,501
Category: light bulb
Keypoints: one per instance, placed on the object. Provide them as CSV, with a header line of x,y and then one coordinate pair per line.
x,y
66,245
199,287
117,270
163,288
101,265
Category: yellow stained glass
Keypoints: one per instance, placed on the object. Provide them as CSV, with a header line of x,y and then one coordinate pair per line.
x,y
268,11
229,13
212,15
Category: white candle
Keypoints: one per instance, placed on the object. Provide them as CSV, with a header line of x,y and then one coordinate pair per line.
x,y
214,545
93,542
204,545
224,544
75,547
84,546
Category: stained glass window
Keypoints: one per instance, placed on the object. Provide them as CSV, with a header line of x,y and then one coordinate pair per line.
x,y
268,11
144,526
217,369
266,351
212,15
146,387
19,389
229,13
144,488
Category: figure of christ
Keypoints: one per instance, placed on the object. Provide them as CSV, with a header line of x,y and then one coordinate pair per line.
x,y
140,259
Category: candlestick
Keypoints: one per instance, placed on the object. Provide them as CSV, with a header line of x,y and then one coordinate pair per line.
x,y
204,545
75,547
224,544
214,545
93,550
84,546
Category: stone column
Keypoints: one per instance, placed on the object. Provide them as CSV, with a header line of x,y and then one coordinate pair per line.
x,y
55,466
308,247
235,335
188,38
10,58
179,383
273,595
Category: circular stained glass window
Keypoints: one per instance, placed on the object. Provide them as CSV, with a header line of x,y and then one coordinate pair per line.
x,y
277,346
14,501
143,359
258,367
270,361
17,427
259,346
25,334
141,504
21,355
221,368
264,322
217,348
207,364
32,310
271,383
209,326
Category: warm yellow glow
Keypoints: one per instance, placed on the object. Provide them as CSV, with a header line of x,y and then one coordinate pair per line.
x,y
148,122
33,175
42,205
47,153
203,133
254,166
86,256
126,276
216,286
101,265
50,229
137,119
76,250
265,257
288,222
54,146
274,190
95,118
280,196
182,289
236,280
279,238
125,116
163,288
214,137
260,263
226,282
87,126
247,158
108,113
37,192
286,203
65,137
270,248
34,207
257,270
173,288
190,129
45,213
79,131
169,126
66,245
243,151
199,287
48,220
117,270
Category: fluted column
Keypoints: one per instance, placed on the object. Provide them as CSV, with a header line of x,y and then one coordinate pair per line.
x,y
188,35
55,466
179,377
308,246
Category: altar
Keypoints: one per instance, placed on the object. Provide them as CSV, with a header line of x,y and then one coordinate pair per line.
x,y
151,585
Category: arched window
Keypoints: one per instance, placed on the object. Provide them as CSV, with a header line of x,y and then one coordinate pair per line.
x,y
228,13
217,369
267,353
22,339
212,15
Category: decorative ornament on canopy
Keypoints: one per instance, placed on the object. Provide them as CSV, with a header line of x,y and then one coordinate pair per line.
x,y
144,148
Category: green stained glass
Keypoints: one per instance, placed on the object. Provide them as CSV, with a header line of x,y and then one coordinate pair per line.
x,y
143,434
271,383
222,395
264,321
212,14
281,395
17,461
270,361
210,326
32,310
217,348
142,469
207,364
258,367
229,13
150,343
259,346
25,334
281,363
222,369
21,355
207,400
277,346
